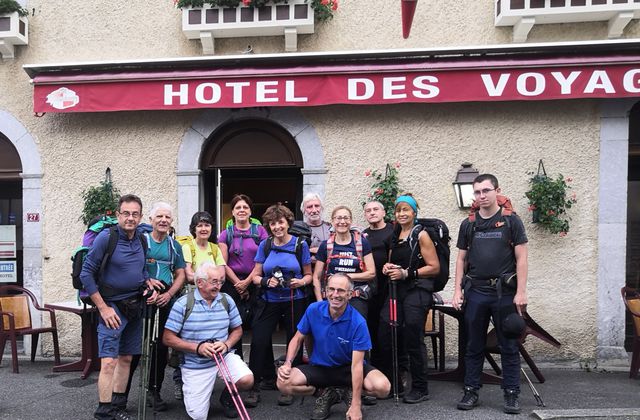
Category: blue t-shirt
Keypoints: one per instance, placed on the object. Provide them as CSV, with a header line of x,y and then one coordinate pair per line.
x,y
204,323
160,257
345,258
334,341
285,258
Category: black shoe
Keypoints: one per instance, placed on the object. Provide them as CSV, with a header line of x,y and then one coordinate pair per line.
x,y
469,399
511,404
228,407
121,415
252,398
328,398
154,400
119,401
268,385
369,400
104,412
415,396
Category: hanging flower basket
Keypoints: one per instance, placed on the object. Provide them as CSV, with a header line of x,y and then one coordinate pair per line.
x,y
549,201
101,200
385,189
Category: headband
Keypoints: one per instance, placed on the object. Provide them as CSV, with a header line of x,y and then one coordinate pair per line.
x,y
409,200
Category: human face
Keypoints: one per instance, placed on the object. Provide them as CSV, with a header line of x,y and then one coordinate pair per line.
x,y
485,194
341,221
404,214
374,213
313,211
129,217
203,230
241,211
338,293
161,222
279,228
210,287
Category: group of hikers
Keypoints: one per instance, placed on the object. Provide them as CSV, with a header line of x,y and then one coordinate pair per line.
x,y
352,303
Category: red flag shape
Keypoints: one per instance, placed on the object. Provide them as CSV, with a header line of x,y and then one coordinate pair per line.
x,y
408,10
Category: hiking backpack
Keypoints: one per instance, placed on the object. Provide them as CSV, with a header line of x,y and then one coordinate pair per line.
x,y
357,239
253,234
507,211
96,226
439,234
187,239
302,230
146,229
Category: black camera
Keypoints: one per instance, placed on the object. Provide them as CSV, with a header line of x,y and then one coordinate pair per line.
x,y
279,275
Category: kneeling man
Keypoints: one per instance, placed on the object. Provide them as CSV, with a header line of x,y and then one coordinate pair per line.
x,y
337,365
211,325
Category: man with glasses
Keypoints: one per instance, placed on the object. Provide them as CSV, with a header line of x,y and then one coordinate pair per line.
x,y
115,277
490,282
337,369
211,325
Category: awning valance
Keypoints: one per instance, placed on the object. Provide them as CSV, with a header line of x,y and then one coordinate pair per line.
x,y
357,79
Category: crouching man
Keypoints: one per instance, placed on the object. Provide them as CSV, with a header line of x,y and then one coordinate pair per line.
x,y
337,366
199,325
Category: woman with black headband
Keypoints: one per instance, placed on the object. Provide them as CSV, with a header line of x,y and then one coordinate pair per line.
x,y
409,264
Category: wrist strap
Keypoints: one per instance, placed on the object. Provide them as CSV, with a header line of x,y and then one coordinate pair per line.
x,y
198,347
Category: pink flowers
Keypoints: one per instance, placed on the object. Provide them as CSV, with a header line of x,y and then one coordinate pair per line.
x,y
397,165
532,207
569,179
562,234
379,191
367,172
246,2
324,2
551,213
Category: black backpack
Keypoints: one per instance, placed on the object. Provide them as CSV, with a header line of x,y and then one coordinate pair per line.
x,y
439,234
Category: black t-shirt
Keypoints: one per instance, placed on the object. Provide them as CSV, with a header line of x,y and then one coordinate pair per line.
x,y
491,252
380,240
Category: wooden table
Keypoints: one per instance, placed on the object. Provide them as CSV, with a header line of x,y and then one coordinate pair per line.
x,y
457,374
89,360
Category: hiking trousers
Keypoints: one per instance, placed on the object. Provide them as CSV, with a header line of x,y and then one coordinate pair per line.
x,y
479,309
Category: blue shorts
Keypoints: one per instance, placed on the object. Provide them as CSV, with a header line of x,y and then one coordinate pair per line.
x,y
126,340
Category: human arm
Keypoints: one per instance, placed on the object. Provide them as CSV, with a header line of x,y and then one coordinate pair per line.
x,y
178,282
458,295
370,270
306,278
357,379
284,371
522,267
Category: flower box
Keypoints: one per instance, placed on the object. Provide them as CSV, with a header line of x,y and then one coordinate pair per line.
x,y
288,19
14,30
523,14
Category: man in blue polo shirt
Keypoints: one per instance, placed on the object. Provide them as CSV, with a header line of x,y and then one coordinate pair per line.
x,y
212,326
340,340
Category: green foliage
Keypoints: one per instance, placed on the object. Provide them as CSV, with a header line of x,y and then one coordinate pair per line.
x,y
549,202
10,6
99,200
323,9
385,189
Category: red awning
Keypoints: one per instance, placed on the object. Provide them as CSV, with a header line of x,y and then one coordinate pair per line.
x,y
357,79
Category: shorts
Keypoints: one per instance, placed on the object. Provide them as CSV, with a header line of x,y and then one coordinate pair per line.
x,y
125,340
324,376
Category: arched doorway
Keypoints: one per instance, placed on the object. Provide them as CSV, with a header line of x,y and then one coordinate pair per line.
x,y
11,250
255,157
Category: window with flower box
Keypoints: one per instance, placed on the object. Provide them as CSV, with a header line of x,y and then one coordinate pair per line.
x,y
523,14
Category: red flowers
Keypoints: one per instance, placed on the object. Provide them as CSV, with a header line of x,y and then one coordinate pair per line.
x,y
562,234
367,172
246,2
532,207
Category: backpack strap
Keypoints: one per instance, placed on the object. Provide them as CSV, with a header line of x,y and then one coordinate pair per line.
x,y
255,234
214,251
268,244
330,243
230,236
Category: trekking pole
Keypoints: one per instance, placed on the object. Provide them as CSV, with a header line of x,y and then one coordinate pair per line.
x,y
536,395
223,368
154,345
144,359
393,322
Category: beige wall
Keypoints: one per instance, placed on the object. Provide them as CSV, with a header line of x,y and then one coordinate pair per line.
x,y
430,141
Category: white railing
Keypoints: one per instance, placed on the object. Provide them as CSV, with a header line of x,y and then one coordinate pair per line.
x,y
523,14
14,30
288,19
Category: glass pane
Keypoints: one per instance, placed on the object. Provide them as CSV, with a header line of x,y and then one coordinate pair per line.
x,y
228,14
517,4
212,16
195,17
246,14
264,13
282,12
300,11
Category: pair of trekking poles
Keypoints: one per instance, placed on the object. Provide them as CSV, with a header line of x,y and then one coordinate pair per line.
x,y
393,322
150,334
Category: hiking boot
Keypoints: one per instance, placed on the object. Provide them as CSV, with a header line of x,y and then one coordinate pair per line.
x,y
511,404
346,395
228,407
154,400
369,400
415,396
177,391
469,399
268,385
121,415
104,412
285,399
322,409
252,398
119,401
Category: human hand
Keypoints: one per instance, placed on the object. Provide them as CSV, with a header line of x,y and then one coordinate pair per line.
x,y
242,285
110,317
520,300
354,413
296,283
284,372
458,299
163,299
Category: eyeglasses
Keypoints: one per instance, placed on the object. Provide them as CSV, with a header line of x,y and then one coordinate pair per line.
x,y
483,191
214,282
337,291
127,214
342,218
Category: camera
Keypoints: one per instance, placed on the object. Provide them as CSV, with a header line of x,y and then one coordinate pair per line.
x,y
279,275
